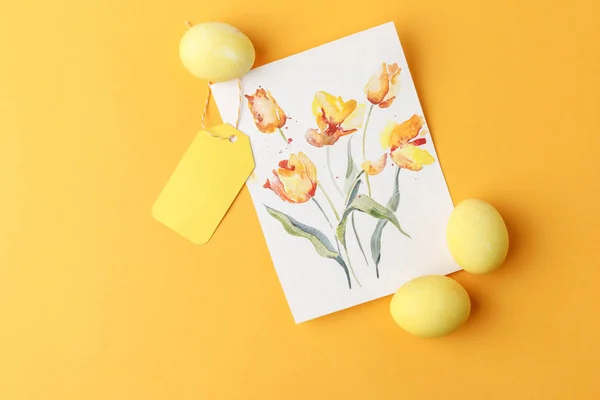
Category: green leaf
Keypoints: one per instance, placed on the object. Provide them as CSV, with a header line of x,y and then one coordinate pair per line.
x,y
351,168
353,191
367,205
394,201
318,239
360,246
322,245
349,199
392,204
342,263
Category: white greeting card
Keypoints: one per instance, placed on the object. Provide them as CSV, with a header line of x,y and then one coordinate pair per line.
x,y
348,187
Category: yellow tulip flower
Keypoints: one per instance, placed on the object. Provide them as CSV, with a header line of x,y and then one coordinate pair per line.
x,y
374,168
268,116
402,141
295,181
384,85
335,118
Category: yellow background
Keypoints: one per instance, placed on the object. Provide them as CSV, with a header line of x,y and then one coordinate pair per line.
x,y
99,301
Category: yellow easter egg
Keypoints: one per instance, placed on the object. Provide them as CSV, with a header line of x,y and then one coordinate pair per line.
x,y
477,236
430,306
216,51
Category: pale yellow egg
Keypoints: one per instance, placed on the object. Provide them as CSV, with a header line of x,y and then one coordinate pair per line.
x,y
430,306
477,236
216,51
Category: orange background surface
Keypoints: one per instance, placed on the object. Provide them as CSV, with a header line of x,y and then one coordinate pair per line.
x,y
99,301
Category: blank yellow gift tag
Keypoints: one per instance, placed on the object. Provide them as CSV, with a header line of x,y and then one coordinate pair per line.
x,y
205,183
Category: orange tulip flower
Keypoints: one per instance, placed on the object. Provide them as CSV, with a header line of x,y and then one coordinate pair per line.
x,y
295,181
268,116
374,168
402,141
335,118
383,86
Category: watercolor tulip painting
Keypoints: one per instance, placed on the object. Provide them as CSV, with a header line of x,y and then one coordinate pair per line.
x,y
267,114
347,187
295,180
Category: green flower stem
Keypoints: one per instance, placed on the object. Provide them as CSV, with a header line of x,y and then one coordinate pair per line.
x,y
337,216
350,267
282,135
331,172
323,211
368,184
364,145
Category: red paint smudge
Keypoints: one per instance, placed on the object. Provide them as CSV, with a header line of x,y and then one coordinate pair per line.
x,y
290,140
418,142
